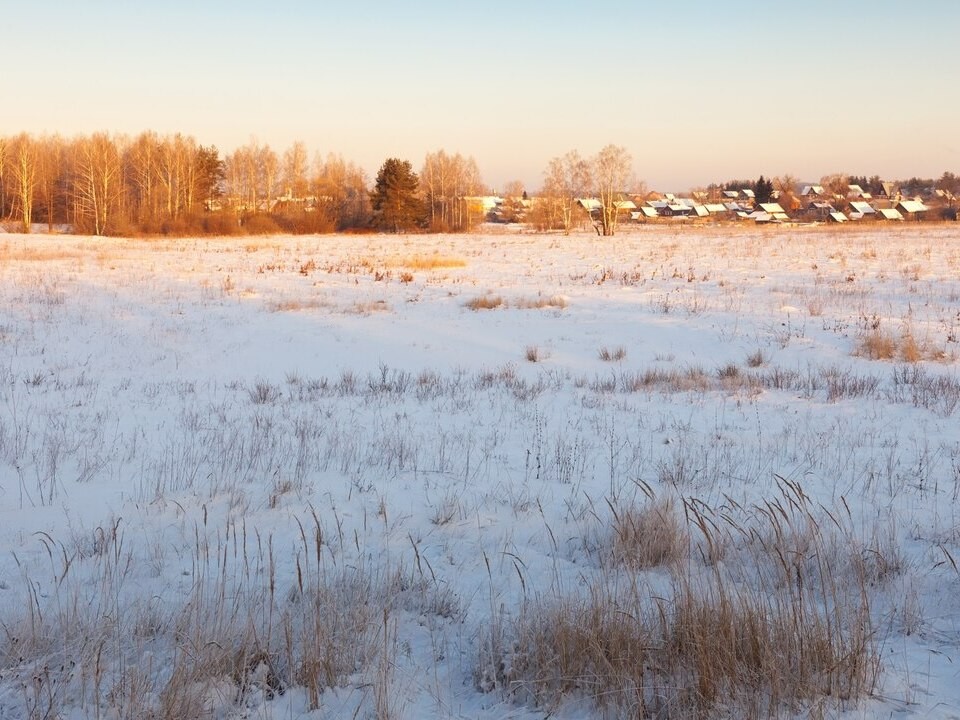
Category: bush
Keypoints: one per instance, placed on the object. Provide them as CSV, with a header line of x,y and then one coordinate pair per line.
x,y
221,223
261,225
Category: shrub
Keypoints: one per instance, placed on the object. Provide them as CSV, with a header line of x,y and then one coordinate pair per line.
x,y
259,224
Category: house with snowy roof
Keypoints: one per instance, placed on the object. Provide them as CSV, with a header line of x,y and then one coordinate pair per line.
x,y
775,210
912,209
820,210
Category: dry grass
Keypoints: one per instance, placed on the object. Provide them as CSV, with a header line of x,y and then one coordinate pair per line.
x,y
612,354
648,535
485,302
782,626
489,302
296,305
878,344
539,303
368,308
675,380
10,253
426,262
243,631
756,359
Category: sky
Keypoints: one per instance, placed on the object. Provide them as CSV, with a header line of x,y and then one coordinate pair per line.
x,y
697,92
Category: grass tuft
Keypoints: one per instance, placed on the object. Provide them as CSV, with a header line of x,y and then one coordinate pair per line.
x,y
485,302
612,354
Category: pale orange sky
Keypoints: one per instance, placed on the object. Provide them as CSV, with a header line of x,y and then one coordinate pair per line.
x,y
697,93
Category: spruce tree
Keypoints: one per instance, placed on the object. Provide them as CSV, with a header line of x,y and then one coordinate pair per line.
x,y
762,190
394,197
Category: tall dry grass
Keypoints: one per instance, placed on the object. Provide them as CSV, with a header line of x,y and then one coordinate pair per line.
x,y
763,615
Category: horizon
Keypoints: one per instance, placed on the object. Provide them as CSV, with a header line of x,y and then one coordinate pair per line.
x,y
703,96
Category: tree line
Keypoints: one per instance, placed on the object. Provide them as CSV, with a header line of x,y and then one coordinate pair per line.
x,y
103,184
446,194
170,184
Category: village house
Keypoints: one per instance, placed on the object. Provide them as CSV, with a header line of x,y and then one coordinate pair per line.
x,y
912,209
860,209
889,214
820,210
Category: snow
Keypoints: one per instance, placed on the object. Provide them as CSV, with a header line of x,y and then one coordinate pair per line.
x,y
160,399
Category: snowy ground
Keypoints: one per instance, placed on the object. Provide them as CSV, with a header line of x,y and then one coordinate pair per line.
x,y
193,431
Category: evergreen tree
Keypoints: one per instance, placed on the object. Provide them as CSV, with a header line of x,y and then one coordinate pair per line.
x,y
210,174
395,202
762,190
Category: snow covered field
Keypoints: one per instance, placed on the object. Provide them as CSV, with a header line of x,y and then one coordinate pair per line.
x,y
394,477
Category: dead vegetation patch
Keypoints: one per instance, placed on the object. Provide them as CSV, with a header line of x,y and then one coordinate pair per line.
x,y
297,305
783,624
426,262
485,302
541,302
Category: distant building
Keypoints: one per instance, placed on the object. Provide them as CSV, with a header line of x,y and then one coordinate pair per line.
x,y
888,190
676,210
775,211
820,210
861,209
913,209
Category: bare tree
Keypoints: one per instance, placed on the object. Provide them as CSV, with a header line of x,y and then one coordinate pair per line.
x,y
22,158
140,160
3,163
177,173
786,186
512,210
567,179
246,177
97,181
295,170
446,183
50,175
270,167
611,174
837,184
340,188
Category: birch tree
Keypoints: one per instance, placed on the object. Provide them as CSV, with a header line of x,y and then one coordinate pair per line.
x,y
141,159
22,158
340,188
97,181
446,181
295,170
269,166
50,176
611,174
567,179
3,188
